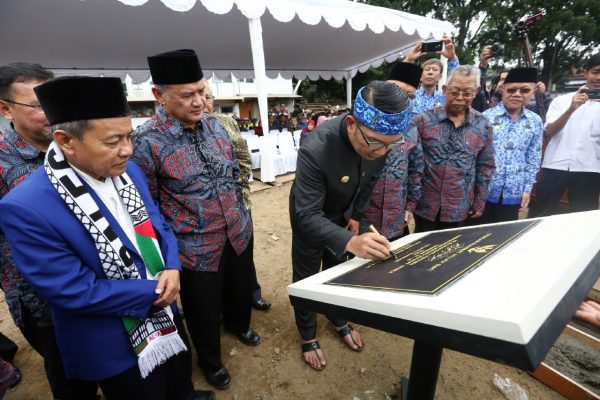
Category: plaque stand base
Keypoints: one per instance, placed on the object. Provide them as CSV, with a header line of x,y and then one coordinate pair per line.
x,y
424,370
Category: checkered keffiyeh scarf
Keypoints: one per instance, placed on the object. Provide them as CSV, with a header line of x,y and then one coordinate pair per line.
x,y
154,339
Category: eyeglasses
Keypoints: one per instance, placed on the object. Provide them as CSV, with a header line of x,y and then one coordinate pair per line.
x,y
465,94
36,107
523,90
378,144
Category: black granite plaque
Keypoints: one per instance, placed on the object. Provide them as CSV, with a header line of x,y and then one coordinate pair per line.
x,y
430,264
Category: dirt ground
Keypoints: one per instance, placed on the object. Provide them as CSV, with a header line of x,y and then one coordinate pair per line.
x,y
274,369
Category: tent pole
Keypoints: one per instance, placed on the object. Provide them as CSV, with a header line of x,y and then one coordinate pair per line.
x,y
442,81
349,90
260,73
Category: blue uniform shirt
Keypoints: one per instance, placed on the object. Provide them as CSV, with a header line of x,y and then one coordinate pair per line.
x,y
423,102
518,153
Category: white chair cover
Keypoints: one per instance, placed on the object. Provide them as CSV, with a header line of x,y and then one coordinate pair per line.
x,y
297,138
254,147
288,151
271,163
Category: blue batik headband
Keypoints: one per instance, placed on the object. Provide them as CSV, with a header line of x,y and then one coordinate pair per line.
x,y
378,121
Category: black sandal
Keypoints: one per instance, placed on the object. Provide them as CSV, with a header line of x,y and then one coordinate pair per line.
x,y
308,347
345,331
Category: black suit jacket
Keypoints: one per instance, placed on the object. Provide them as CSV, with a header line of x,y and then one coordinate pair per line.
x,y
333,184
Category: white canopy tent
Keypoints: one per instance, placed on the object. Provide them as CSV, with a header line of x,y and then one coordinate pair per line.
x,y
296,38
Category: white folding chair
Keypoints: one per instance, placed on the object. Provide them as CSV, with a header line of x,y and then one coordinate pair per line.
x,y
297,135
254,148
271,162
288,151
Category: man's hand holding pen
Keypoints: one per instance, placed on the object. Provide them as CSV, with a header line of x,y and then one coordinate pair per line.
x,y
370,245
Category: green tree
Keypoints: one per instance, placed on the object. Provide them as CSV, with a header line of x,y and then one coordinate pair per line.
x,y
568,34
564,39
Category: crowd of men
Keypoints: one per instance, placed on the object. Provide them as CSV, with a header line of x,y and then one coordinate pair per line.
x,y
451,166
104,227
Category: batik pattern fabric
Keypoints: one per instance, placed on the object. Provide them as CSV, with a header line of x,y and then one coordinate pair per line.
x,y
379,121
517,151
423,101
8,375
18,159
459,163
194,176
241,152
398,189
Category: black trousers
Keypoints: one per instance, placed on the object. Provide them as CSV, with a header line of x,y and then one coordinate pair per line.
x,y
171,380
206,296
425,225
496,212
256,289
8,349
43,340
307,258
584,189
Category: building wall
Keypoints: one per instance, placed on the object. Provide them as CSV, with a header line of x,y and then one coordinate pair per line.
x,y
228,93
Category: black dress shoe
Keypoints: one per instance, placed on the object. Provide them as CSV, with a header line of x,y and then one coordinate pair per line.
x,y
250,337
204,395
261,304
219,379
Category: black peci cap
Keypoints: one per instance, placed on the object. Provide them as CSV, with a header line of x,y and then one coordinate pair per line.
x,y
77,98
175,67
406,72
521,75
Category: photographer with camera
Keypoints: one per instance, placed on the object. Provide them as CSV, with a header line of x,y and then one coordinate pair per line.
x,y
487,99
426,97
572,158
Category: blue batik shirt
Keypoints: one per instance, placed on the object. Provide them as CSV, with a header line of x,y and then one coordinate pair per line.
x,y
423,101
518,153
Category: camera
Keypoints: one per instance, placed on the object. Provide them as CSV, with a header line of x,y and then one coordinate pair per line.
x,y
497,50
430,47
593,94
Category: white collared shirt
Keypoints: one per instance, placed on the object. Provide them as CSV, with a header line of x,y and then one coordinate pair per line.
x,y
576,147
112,200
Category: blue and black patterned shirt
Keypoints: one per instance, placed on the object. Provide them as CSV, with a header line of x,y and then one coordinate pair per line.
x,y
18,159
423,101
459,162
398,189
517,151
194,177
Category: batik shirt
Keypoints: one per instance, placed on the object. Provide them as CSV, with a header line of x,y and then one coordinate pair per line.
x,y
18,159
459,162
517,151
7,376
397,190
193,175
423,101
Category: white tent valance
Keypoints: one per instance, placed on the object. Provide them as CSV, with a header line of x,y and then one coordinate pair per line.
x,y
296,38
301,38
